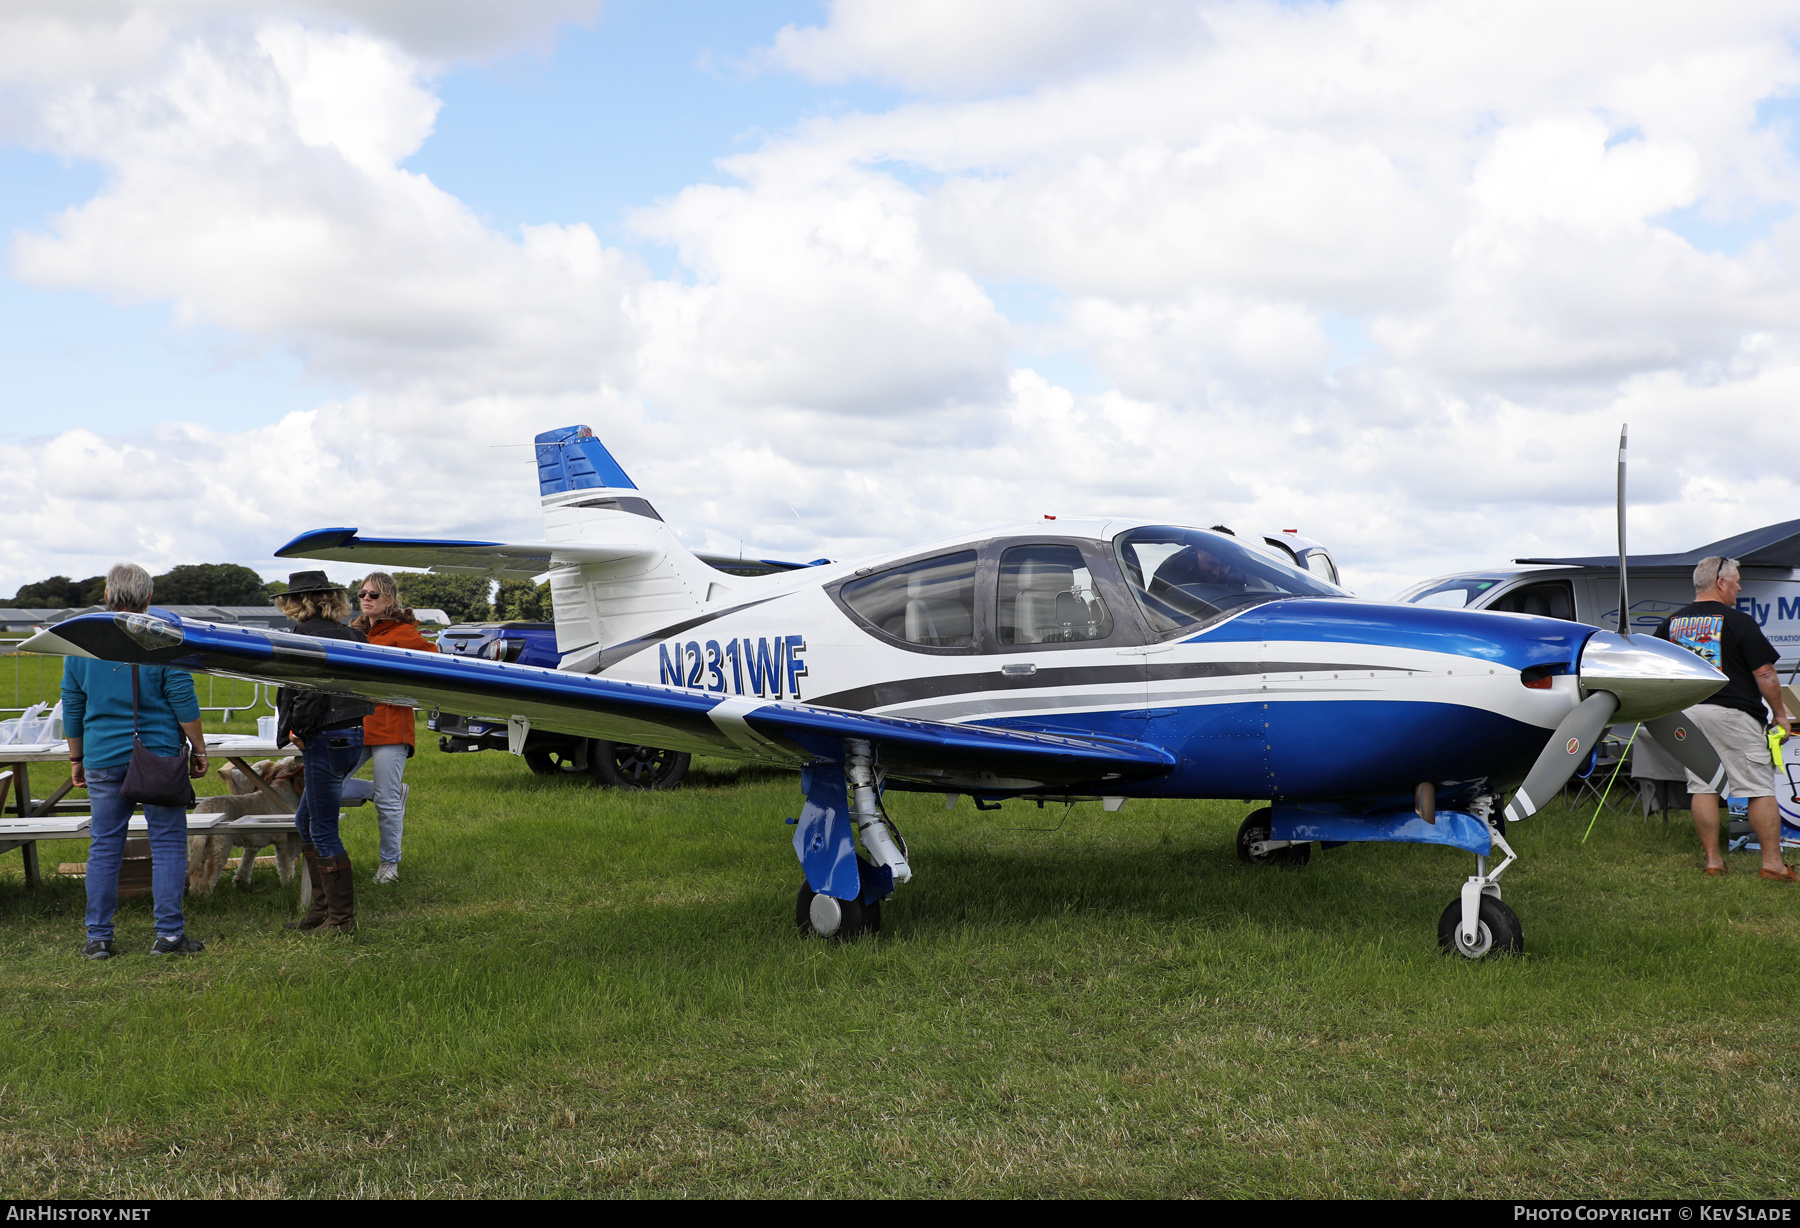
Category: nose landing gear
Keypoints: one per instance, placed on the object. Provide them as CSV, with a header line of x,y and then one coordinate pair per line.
x,y
1477,923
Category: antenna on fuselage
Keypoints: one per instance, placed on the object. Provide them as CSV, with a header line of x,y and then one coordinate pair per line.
x,y
807,527
1624,586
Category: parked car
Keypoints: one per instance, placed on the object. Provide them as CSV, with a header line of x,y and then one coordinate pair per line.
x,y
596,760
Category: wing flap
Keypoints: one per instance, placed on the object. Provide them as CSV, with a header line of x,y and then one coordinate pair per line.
x,y
936,754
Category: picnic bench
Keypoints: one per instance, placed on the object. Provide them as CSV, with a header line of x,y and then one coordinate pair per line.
x,y
34,819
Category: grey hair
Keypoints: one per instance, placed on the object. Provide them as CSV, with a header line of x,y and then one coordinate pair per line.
x,y
128,587
1712,570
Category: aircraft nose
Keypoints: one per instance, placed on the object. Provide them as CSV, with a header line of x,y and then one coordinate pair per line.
x,y
1650,677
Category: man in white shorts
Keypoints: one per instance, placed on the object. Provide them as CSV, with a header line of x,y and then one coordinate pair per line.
x,y
1734,718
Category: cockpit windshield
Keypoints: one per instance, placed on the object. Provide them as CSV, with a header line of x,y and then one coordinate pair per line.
x,y
1189,577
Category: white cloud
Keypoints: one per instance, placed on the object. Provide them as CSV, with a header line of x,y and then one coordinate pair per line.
x,y
954,47
255,185
68,41
817,295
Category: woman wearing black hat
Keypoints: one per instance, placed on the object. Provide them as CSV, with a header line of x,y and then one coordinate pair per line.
x,y
328,729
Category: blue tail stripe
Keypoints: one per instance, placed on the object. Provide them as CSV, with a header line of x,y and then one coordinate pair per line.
x,y
572,459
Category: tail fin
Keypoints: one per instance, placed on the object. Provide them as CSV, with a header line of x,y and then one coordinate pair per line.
x,y
588,498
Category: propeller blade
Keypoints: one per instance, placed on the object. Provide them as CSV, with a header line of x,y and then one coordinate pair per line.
x,y
1684,742
1568,746
1624,588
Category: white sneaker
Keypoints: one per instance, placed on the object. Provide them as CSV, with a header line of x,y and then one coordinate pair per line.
x,y
388,872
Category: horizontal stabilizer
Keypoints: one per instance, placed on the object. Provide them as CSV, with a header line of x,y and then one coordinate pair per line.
x,y
954,758
497,560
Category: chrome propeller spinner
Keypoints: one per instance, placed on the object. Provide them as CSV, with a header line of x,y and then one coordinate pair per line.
x,y
1624,678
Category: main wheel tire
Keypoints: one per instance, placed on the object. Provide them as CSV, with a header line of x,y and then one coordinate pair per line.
x,y
1497,930
855,917
1255,829
553,763
624,766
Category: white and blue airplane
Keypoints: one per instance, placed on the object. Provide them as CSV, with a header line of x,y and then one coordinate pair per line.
x,y
1057,660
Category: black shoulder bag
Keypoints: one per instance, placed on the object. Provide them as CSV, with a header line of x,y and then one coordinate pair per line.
x,y
152,779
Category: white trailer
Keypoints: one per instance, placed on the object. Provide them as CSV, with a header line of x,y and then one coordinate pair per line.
x,y
1587,590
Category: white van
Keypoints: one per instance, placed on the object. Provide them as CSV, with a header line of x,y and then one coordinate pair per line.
x,y
1587,589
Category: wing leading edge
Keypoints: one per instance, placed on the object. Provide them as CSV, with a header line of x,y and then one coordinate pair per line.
x,y
960,758
499,560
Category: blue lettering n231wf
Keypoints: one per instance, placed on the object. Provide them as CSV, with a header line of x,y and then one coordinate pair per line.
x,y
769,667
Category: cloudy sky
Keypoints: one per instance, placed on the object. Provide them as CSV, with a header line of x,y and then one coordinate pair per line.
x,y
1388,273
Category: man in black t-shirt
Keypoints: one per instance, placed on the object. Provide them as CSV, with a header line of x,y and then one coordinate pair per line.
x,y
1733,718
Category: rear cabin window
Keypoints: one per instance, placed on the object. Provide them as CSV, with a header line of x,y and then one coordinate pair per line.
x,y
1320,564
930,603
1047,597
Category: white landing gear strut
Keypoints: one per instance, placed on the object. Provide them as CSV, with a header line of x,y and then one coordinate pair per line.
x,y
1478,923
879,837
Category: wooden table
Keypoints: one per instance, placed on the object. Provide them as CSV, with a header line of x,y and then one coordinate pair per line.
x,y
35,820
18,759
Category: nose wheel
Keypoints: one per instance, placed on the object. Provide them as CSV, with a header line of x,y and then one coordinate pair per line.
x,y
1497,930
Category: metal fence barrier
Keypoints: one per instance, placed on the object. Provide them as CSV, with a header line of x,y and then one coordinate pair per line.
x,y
28,678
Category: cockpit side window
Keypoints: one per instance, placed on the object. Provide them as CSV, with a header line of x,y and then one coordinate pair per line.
x,y
1185,578
930,603
1047,596
1550,599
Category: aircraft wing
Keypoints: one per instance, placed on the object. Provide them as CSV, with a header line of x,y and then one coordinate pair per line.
x,y
953,758
497,560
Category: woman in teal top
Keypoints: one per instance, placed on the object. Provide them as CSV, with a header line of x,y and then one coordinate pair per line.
x,y
97,716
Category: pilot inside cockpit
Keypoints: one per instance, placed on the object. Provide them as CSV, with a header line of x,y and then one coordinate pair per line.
x,y
1198,572
1197,576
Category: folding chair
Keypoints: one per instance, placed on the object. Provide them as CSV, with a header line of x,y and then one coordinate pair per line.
x,y
1589,784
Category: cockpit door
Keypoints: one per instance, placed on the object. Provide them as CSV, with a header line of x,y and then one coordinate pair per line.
x,y
1067,636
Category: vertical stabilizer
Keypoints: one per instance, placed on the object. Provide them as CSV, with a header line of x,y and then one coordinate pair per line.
x,y
589,498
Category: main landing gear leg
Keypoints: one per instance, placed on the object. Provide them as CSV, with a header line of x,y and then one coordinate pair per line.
x,y
1478,923
843,892
1256,848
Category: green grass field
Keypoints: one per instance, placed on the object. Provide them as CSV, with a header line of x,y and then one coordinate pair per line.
x,y
575,992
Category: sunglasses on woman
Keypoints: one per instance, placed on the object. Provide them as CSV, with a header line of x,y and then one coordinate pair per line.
x,y
368,595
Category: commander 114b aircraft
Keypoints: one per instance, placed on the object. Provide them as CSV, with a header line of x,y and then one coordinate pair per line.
x,y
1058,660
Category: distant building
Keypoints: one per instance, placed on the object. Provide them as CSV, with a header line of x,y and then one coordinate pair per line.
x,y
27,620
266,616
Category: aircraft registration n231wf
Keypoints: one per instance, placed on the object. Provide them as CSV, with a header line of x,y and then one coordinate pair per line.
x,y
1059,660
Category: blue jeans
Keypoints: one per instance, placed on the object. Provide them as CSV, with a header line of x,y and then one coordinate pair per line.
x,y
390,806
106,832
329,756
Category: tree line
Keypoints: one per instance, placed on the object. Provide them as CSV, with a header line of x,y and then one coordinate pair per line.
x,y
463,598
473,599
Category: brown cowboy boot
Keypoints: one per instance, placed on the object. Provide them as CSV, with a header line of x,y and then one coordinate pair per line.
x,y
340,896
315,916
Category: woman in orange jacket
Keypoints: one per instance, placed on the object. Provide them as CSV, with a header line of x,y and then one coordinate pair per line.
x,y
388,731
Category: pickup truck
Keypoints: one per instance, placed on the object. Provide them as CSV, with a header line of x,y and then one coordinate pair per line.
x,y
595,760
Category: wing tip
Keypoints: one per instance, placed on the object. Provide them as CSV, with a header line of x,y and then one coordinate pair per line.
x,y
315,539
